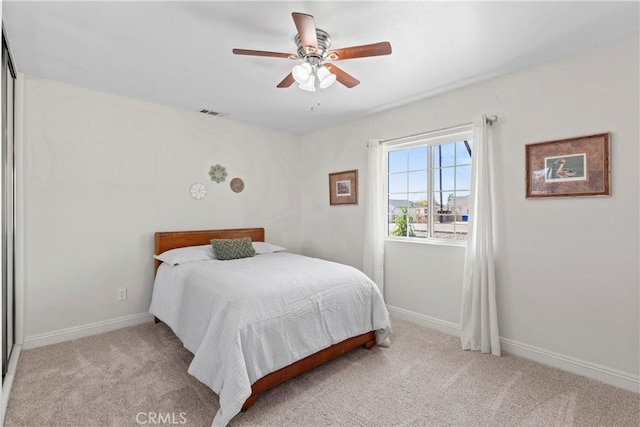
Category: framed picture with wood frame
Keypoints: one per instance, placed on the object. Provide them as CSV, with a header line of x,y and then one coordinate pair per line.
x,y
571,167
343,188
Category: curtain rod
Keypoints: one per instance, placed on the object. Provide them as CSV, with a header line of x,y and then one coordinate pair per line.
x,y
489,120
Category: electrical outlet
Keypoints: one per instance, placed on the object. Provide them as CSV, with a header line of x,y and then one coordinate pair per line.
x,y
122,294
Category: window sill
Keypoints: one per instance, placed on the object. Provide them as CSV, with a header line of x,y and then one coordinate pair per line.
x,y
434,242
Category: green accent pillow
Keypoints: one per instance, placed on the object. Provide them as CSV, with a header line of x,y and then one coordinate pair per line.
x,y
226,249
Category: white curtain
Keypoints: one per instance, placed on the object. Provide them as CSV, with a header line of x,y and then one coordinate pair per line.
x,y
374,216
479,317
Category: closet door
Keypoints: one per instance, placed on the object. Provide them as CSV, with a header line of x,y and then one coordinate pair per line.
x,y
7,212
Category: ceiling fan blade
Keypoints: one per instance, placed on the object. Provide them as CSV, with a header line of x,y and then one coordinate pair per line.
x,y
346,79
375,49
288,81
306,26
264,53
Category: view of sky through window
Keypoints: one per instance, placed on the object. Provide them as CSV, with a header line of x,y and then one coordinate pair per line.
x,y
451,170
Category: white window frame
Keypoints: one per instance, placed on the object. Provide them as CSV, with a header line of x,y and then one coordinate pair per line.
x,y
429,139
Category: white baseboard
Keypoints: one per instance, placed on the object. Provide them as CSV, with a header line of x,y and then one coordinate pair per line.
x,y
591,370
423,320
76,332
611,376
8,381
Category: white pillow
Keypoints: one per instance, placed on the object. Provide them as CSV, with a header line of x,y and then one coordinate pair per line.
x,y
186,254
266,248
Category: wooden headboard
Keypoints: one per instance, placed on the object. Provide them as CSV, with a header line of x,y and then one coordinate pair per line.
x,y
166,240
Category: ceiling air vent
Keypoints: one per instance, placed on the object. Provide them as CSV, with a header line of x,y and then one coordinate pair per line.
x,y
212,113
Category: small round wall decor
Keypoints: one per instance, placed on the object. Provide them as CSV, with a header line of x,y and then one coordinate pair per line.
x,y
198,191
237,185
218,173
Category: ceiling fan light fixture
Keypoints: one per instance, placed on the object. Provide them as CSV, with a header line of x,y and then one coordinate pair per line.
x,y
325,77
302,73
309,85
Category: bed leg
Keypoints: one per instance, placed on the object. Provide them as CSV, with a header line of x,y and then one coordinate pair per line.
x,y
156,320
249,402
369,345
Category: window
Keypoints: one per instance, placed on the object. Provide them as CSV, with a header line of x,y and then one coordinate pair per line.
x,y
428,178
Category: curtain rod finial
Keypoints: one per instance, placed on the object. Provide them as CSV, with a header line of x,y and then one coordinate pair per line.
x,y
492,119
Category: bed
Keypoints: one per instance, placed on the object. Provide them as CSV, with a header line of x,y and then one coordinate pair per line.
x,y
265,343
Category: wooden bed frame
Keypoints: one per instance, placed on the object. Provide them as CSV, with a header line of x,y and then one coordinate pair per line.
x,y
167,240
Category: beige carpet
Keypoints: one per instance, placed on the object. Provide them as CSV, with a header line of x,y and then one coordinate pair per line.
x,y
123,378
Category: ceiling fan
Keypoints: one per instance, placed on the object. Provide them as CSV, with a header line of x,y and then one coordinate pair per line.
x,y
314,50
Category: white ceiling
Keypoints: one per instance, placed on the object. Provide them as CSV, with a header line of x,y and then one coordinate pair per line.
x,y
179,53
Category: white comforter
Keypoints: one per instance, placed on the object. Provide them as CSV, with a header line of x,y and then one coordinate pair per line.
x,y
243,319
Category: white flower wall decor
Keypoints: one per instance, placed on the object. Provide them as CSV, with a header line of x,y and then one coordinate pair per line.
x,y
198,191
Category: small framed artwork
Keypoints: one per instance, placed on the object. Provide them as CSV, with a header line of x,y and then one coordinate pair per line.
x,y
343,188
569,167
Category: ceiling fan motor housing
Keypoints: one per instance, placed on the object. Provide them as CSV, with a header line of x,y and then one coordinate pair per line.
x,y
324,42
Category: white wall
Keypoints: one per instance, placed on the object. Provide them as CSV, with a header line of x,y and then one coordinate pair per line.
x,y
102,173
567,268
